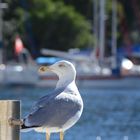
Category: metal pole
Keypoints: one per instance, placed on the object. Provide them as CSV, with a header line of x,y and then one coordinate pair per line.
x,y
1,23
114,34
2,6
95,24
102,31
1,53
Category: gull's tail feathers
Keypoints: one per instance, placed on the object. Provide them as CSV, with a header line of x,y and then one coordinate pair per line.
x,y
25,128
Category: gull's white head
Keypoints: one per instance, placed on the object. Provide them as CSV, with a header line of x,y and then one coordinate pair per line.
x,y
65,70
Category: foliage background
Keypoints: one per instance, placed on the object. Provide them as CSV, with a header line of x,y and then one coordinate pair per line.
x,y
64,24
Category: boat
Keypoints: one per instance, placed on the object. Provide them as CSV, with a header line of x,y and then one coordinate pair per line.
x,y
23,72
19,74
92,71
94,81
89,74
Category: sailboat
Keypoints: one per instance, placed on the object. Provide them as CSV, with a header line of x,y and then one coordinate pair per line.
x,y
92,73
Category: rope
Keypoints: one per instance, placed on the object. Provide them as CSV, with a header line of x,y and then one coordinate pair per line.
x,y
11,122
15,122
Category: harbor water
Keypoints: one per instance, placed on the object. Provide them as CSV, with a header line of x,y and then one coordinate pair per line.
x,y
109,113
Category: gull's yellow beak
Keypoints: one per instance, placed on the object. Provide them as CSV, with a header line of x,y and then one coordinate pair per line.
x,y
43,69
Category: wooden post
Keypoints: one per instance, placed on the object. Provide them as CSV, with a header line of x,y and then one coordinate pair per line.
x,y
9,109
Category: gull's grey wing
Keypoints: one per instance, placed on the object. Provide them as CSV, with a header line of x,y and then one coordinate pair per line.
x,y
56,112
45,99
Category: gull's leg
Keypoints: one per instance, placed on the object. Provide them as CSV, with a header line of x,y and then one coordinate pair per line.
x,y
61,135
47,135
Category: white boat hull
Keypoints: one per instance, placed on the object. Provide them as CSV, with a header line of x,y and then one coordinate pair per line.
x,y
19,74
96,82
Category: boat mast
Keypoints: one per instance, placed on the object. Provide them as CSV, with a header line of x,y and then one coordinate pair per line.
x,y
101,31
2,6
95,27
114,34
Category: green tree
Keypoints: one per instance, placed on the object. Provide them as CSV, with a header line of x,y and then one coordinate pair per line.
x,y
53,24
58,26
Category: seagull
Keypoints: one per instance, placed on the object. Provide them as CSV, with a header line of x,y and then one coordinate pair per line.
x,y
60,110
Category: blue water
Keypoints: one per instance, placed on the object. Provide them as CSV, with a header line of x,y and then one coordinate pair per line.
x,y
112,114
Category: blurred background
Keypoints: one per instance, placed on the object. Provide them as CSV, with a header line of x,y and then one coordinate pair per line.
x,y
100,37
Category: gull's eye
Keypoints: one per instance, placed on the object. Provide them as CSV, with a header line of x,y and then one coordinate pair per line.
x,y
61,65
